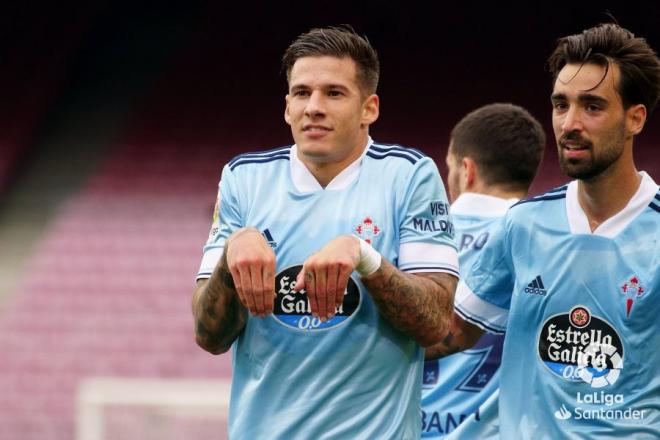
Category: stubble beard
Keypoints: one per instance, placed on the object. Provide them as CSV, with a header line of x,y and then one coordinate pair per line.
x,y
600,160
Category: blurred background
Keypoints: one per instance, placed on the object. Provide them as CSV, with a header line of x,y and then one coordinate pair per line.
x,y
115,121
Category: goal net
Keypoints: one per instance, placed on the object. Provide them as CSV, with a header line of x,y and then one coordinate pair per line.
x,y
146,409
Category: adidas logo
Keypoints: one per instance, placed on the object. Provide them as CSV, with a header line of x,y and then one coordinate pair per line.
x,y
269,238
536,287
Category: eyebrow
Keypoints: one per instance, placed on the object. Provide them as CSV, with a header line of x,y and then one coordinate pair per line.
x,y
589,98
327,87
557,97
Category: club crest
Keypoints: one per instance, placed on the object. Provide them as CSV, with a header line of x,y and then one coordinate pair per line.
x,y
368,230
632,289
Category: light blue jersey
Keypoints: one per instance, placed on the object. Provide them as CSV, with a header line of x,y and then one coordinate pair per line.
x,y
354,376
454,387
581,357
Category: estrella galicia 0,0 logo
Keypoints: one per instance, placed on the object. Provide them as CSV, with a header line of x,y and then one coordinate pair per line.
x,y
292,308
579,346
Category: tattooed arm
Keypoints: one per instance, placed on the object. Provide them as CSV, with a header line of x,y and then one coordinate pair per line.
x,y
243,280
460,336
219,314
420,305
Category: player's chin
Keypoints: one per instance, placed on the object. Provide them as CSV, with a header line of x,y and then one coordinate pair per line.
x,y
319,151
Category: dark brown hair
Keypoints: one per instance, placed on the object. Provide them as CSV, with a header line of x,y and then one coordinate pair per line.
x,y
341,42
605,43
505,141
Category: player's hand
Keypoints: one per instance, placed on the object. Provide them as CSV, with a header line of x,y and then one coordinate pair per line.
x,y
251,262
325,275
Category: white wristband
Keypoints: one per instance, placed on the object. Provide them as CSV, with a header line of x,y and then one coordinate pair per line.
x,y
370,259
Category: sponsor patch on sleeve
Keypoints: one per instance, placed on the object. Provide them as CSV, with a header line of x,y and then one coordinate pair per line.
x,y
432,225
439,209
215,225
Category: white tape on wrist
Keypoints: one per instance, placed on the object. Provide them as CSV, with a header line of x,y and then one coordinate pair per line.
x,y
370,259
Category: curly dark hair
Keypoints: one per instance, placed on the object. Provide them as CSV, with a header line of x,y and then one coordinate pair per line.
x,y
609,42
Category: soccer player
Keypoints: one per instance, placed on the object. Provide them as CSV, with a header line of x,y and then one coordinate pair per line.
x,y
580,356
494,153
331,262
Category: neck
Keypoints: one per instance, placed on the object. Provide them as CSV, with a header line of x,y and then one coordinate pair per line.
x,y
496,191
325,169
608,193
505,194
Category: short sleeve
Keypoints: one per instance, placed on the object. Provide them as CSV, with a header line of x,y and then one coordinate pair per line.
x,y
226,219
426,230
483,296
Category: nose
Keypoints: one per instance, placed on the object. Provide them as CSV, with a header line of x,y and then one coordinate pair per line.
x,y
572,120
315,105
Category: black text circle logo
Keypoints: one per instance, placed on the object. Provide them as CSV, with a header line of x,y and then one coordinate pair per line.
x,y
293,310
579,346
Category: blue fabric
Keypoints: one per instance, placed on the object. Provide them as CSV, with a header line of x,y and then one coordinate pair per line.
x,y
581,356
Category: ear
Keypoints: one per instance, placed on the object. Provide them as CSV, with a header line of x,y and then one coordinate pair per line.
x,y
287,114
469,171
636,118
370,110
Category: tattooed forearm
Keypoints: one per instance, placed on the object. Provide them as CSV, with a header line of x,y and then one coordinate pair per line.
x,y
460,336
219,315
444,348
419,305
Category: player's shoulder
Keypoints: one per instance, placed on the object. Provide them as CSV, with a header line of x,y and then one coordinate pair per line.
x,y
540,201
261,158
395,155
655,202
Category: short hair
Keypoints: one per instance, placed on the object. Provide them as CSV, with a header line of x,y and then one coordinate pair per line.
x,y
505,141
341,42
605,43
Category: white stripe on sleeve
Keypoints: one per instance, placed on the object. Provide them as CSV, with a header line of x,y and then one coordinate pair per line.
x,y
428,257
209,261
472,308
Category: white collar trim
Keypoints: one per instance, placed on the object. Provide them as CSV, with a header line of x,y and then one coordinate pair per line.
x,y
611,227
305,182
481,205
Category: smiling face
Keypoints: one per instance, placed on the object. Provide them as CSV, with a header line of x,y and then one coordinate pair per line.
x,y
328,112
592,128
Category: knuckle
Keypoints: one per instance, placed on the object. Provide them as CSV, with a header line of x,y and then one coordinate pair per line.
x,y
241,264
344,265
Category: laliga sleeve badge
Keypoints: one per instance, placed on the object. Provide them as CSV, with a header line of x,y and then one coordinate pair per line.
x,y
368,230
215,225
631,289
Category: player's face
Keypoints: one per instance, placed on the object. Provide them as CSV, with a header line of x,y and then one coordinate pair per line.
x,y
328,113
453,176
588,119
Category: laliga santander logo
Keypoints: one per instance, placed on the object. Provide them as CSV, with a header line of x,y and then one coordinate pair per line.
x,y
631,288
563,413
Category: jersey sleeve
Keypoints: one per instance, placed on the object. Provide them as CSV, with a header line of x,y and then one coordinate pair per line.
x,y
226,219
483,296
426,232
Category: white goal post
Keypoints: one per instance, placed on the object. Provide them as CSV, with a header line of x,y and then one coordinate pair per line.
x,y
109,408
